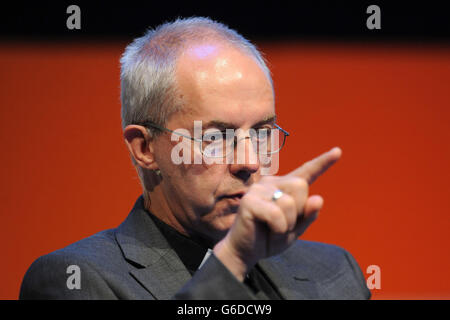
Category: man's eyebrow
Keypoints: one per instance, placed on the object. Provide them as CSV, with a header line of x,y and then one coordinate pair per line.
x,y
221,125
270,119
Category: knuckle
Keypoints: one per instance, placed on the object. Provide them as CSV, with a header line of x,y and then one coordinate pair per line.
x,y
275,212
299,183
291,211
285,218
288,202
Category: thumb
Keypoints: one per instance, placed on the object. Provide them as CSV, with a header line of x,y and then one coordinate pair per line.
x,y
312,207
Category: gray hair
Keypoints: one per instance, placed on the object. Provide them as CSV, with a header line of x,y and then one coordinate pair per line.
x,y
148,84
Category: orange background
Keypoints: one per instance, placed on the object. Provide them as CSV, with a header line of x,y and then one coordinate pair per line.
x,y
65,173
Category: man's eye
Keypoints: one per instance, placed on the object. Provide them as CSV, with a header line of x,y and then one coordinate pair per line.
x,y
264,132
214,136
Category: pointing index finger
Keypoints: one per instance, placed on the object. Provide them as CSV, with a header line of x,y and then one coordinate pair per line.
x,y
314,168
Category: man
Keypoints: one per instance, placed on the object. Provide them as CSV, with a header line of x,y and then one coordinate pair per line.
x,y
218,228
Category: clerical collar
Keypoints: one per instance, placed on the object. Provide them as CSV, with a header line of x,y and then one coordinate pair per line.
x,y
189,251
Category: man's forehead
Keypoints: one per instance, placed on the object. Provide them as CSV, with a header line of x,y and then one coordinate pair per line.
x,y
213,63
221,119
220,84
224,124
215,58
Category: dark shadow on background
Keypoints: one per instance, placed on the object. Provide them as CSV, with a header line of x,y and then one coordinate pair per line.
x,y
402,21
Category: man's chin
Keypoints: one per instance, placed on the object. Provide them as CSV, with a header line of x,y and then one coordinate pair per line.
x,y
218,221
229,210
223,222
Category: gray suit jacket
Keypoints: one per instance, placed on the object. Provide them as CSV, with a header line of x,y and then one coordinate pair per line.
x,y
134,261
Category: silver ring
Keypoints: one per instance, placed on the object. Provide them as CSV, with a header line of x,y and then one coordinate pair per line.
x,y
277,195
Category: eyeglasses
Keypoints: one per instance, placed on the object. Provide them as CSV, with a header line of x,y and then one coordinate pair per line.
x,y
221,143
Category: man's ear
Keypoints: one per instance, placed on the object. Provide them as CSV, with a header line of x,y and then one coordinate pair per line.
x,y
140,145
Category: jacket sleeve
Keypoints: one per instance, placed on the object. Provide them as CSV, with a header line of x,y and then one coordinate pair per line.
x,y
63,277
358,275
213,281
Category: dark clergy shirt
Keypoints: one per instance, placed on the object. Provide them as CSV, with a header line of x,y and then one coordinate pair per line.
x,y
192,253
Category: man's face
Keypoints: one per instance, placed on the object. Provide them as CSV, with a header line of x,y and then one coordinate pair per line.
x,y
217,85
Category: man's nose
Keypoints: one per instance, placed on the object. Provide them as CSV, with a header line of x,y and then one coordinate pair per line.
x,y
246,160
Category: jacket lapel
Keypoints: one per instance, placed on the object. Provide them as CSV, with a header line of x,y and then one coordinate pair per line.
x,y
156,265
159,281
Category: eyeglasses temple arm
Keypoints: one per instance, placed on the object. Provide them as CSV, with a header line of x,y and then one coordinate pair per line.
x,y
151,124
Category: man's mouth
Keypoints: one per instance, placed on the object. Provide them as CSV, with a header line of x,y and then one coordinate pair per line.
x,y
237,195
233,198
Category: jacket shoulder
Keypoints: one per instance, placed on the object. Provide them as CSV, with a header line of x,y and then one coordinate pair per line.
x,y
333,268
55,275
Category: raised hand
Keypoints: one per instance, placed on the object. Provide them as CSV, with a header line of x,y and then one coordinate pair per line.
x,y
269,221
